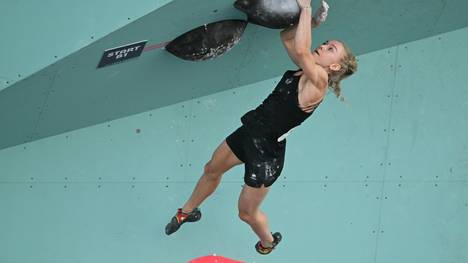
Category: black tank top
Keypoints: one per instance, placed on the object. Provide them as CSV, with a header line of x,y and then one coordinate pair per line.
x,y
280,111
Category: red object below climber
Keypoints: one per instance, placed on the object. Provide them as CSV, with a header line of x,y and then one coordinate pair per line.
x,y
214,259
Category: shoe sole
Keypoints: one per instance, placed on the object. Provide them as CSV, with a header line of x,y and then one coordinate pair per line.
x,y
174,225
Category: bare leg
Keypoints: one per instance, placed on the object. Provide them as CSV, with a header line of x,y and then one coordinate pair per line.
x,y
205,187
222,160
249,211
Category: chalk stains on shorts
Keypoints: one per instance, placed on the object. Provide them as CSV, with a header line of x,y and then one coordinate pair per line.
x,y
270,171
264,172
258,145
262,154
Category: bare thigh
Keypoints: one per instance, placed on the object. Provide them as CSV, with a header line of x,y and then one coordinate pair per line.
x,y
222,160
251,198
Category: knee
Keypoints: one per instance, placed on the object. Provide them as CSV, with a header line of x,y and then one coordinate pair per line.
x,y
246,216
211,172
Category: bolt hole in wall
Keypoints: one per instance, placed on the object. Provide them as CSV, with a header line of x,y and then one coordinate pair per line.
x,y
421,208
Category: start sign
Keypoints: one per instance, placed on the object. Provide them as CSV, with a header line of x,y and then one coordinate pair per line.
x,y
119,54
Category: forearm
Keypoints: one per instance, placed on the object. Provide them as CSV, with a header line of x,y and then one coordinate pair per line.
x,y
303,37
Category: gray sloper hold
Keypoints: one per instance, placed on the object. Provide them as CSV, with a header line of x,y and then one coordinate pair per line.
x,y
276,14
207,41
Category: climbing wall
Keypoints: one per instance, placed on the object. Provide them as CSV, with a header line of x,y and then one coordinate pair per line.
x,y
381,177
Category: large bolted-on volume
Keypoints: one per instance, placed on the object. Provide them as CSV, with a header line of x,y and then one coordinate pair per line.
x,y
276,14
208,41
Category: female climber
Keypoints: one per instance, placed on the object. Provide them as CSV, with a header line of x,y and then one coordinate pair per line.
x,y
260,142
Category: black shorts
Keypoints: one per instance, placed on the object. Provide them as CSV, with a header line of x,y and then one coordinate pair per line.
x,y
262,154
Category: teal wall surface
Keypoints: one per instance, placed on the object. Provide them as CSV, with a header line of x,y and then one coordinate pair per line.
x,y
70,93
36,34
381,177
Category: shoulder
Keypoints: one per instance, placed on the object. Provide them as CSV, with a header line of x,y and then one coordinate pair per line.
x,y
320,82
313,92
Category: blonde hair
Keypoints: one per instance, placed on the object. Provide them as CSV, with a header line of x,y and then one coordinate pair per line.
x,y
348,68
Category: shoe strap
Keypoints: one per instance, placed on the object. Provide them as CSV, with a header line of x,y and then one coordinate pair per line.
x,y
263,249
181,216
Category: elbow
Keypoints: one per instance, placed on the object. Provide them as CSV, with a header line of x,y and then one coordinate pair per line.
x,y
303,56
302,52
284,36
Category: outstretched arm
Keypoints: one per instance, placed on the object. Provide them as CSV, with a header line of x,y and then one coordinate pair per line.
x,y
302,45
303,36
288,34
287,37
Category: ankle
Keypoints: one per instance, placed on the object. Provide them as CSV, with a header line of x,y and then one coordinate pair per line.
x,y
267,243
186,210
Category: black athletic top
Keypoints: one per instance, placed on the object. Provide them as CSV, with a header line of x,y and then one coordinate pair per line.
x,y
280,111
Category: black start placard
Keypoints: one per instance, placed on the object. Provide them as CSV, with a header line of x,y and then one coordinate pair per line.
x,y
122,53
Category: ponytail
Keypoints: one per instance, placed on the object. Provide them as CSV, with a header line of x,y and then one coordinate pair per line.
x,y
348,68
